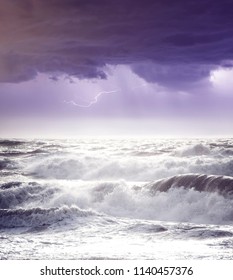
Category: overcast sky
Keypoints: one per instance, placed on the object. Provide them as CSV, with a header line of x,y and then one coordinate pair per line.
x,y
151,66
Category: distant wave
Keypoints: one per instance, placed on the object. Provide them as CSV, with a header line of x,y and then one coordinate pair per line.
x,y
10,143
22,153
194,150
207,183
68,166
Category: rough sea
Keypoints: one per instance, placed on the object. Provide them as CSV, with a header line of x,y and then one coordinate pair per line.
x,y
116,198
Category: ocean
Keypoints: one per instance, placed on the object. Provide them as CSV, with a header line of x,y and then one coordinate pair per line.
x,y
116,198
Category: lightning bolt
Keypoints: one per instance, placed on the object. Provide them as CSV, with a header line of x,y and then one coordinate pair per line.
x,y
96,98
94,101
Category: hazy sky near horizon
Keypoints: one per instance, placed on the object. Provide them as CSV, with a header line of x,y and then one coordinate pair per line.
x,y
79,61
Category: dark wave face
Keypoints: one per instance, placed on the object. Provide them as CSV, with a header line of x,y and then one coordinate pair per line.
x,y
4,164
199,182
36,217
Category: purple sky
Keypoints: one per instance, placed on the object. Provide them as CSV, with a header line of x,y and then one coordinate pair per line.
x,y
144,66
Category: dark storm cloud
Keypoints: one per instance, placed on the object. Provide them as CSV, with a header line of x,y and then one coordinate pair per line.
x,y
166,41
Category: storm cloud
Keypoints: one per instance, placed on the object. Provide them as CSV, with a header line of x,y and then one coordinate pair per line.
x,y
165,41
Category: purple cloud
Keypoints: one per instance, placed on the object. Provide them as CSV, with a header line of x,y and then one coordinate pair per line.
x,y
170,42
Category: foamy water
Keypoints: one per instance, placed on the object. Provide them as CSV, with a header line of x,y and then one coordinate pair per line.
x,y
116,199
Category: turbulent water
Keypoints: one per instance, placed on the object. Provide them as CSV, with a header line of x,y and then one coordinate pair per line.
x,y
137,198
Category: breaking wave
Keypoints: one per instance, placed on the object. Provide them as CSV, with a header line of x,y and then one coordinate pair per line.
x,y
185,198
14,194
176,204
